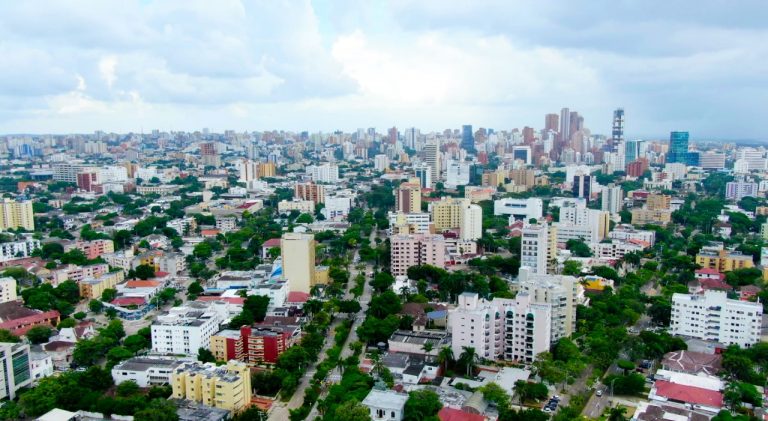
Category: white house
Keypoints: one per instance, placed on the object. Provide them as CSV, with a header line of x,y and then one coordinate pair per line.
x,y
386,405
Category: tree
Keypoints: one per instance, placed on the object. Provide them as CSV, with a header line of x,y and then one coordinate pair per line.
x,y
618,413
349,306
108,295
205,356
382,281
203,251
95,306
468,358
578,248
492,392
195,288
135,343
80,315
127,388
572,268
157,410
117,354
39,334
422,405
445,357
352,410
145,271
7,336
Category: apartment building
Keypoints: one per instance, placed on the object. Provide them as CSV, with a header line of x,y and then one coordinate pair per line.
x,y
145,371
8,289
254,344
616,249
161,189
15,214
303,206
409,223
18,249
628,232
15,369
649,216
325,173
723,260
612,199
408,197
92,249
184,330
525,209
714,317
226,387
93,287
511,329
77,273
312,192
416,250
298,256
563,293
461,214
538,247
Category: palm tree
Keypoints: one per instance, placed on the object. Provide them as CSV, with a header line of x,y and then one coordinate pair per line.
x,y
405,291
445,357
427,348
618,414
520,389
377,366
469,358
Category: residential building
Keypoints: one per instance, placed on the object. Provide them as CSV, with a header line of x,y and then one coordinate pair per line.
x,y
452,213
416,250
226,224
578,214
256,344
8,289
723,260
737,190
627,232
184,330
325,173
525,209
582,186
77,273
710,160
92,249
16,214
381,162
385,405
616,249
563,293
19,319
161,189
15,370
613,197
309,191
432,158
408,198
336,207
410,223
40,365
18,249
303,206
298,259
457,174
146,371
93,287
511,329
714,317
523,177
227,387
538,247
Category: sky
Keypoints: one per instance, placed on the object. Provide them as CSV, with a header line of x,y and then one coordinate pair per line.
x,y
132,66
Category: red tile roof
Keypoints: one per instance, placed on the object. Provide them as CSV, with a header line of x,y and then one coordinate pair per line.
x,y
127,301
272,242
708,271
688,394
142,284
297,297
452,414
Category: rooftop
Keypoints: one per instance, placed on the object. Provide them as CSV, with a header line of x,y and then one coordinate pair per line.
x,y
385,399
144,363
688,394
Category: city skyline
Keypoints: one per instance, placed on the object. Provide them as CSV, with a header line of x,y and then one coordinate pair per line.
x,y
323,66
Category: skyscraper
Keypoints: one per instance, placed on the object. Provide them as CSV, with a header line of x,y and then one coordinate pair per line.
x,y
551,122
298,255
467,138
678,147
612,198
582,186
432,158
565,125
617,133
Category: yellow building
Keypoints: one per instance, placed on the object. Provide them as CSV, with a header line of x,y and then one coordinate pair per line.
x,y
298,255
658,202
93,288
227,387
267,169
523,177
321,275
723,260
15,214
408,197
648,216
447,213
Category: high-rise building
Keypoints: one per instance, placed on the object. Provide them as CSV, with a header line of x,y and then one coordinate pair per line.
x,y
535,248
184,330
309,191
452,213
710,160
551,122
513,329
582,184
714,317
617,132
416,250
298,255
739,189
563,293
565,125
392,135
424,174
325,173
8,289
208,155
631,150
467,139
678,147
249,170
432,158
15,215
408,198
612,199
15,370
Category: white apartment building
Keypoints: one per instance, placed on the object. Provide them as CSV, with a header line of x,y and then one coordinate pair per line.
x,y
597,221
226,223
525,209
567,231
18,249
8,289
714,317
628,232
120,259
15,370
113,174
336,207
184,330
511,329
303,206
415,223
737,190
754,158
416,250
676,170
325,173
380,162
562,292
612,198
170,263
616,249
145,371
457,174
535,248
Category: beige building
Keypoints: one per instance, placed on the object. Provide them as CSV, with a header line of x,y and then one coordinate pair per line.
x,y
94,287
523,177
226,387
408,197
648,216
309,191
8,289
416,250
298,255
658,202
15,214
452,213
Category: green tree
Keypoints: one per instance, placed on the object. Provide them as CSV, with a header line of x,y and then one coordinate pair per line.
x,y
578,248
352,410
145,271
108,295
205,356
195,288
95,306
468,359
127,388
382,281
157,410
422,405
39,334
7,336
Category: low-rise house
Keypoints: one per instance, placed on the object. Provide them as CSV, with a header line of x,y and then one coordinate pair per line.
x,y
385,405
145,371
19,319
692,362
61,353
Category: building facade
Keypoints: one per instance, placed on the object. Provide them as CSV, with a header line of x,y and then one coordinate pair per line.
x,y
714,317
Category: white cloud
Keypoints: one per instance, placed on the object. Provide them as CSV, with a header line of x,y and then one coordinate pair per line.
x,y
107,69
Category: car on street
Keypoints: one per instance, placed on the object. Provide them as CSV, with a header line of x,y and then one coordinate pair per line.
x,y
599,393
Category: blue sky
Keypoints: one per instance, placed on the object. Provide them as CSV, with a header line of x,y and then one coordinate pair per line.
x,y
300,65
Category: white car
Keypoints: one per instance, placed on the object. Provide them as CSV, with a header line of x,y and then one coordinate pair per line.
x,y
599,393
